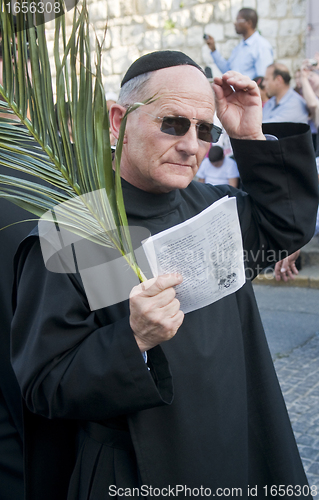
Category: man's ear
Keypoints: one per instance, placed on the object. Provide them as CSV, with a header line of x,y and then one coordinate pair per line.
x,y
116,115
279,79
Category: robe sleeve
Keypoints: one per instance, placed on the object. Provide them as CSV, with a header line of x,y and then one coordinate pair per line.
x,y
278,215
70,366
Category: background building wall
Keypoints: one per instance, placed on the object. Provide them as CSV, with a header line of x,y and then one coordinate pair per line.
x,y
312,35
135,27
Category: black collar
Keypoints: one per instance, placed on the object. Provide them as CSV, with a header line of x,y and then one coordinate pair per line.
x,y
139,203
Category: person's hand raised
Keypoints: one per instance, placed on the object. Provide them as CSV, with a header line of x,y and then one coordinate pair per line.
x,y
211,43
305,68
238,106
155,314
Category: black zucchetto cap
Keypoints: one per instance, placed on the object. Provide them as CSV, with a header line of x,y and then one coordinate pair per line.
x,y
158,60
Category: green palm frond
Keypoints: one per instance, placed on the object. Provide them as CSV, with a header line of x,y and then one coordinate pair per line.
x,y
40,144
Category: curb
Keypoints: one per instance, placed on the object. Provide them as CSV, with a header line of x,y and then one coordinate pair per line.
x,y
303,280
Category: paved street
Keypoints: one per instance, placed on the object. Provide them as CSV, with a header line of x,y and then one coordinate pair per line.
x,y
291,321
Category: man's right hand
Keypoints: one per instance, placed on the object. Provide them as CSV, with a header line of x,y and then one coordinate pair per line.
x,y
155,314
211,43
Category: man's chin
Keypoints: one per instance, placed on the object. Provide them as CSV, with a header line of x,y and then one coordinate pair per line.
x,y
176,182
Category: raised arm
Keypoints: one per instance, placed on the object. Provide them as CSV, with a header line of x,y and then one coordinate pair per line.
x,y
278,175
308,94
219,60
238,106
280,178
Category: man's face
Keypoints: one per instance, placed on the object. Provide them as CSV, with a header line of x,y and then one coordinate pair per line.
x,y
270,82
241,25
158,162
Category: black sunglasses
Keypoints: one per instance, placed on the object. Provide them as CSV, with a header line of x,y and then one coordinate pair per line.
x,y
180,125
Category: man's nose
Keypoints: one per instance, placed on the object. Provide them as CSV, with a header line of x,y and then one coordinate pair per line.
x,y
189,143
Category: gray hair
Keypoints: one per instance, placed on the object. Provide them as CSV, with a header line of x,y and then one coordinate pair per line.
x,y
135,90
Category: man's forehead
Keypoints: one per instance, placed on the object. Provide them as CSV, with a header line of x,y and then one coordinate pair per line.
x,y
175,101
181,86
183,80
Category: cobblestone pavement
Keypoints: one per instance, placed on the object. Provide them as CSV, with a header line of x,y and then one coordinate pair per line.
x,y
298,374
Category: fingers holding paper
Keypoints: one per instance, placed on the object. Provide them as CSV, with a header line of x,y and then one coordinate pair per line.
x,y
155,314
238,106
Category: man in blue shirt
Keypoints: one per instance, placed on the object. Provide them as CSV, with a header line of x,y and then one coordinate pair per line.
x,y
254,53
284,105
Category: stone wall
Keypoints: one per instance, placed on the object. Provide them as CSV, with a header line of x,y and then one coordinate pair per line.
x,y
136,27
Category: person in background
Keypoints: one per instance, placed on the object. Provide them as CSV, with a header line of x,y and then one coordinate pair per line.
x,y
218,168
284,104
314,79
317,222
286,269
307,85
11,427
254,53
297,78
263,94
307,80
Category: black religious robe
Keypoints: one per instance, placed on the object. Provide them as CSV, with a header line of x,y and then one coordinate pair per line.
x,y
15,225
11,434
11,457
207,410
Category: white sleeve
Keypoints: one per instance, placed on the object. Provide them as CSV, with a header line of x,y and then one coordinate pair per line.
x,y
232,170
201,171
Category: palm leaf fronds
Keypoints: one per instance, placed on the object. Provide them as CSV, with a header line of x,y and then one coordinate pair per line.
x,y
78,175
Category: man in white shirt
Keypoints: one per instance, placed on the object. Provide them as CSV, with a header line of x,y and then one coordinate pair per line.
x,y
284,105
254,53
218,169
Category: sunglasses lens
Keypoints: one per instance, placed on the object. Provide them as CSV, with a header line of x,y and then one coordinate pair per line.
x,y
215,133
205,131
175,125
179,126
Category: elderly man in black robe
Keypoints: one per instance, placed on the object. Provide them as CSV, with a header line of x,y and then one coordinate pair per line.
x,y
204,416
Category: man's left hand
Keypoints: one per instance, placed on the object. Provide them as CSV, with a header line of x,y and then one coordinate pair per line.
x,y
211,43
238,106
